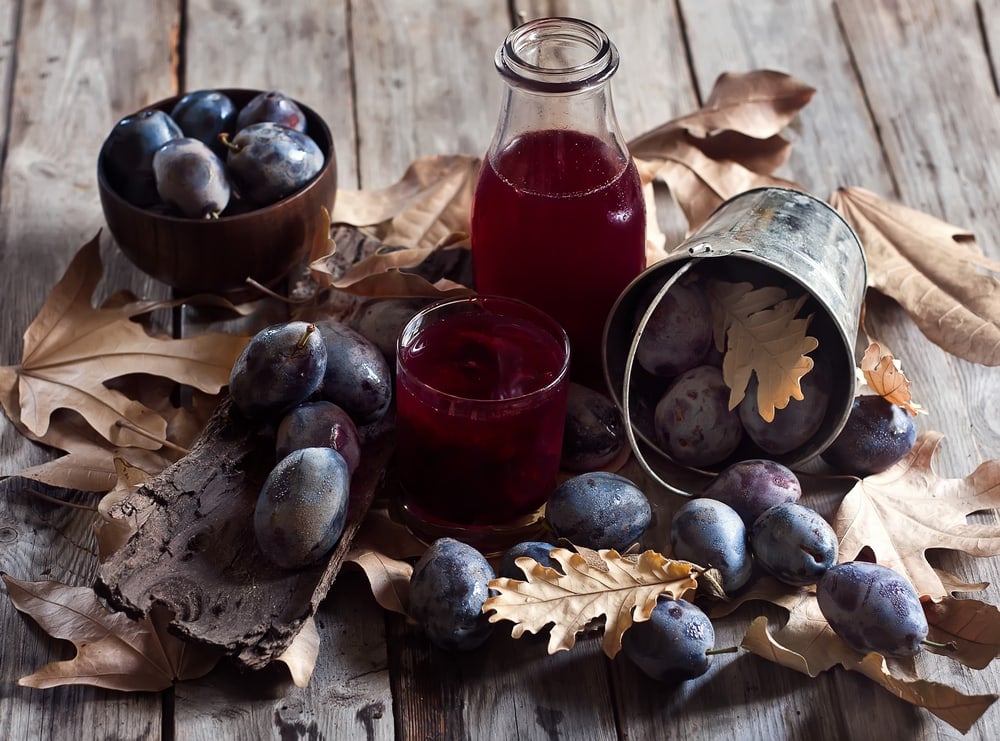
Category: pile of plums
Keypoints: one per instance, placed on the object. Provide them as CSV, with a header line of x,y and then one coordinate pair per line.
x,y
207,158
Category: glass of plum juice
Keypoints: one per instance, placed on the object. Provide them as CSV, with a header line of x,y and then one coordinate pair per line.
x,y
481,386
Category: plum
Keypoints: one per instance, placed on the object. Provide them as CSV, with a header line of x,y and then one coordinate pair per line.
x,y
693,421
794,543
872,608
710,533
673,644
204,115
532,549
302,507
754,485
598,510
594,433
280,367
127,155
793,426
877,434
319,424
449,585
191,178
274,107
357,376
268,162
679,331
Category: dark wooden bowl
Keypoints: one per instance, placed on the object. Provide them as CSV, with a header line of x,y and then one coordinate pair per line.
x,y
218,255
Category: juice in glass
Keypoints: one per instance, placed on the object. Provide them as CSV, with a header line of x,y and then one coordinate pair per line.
x,y
481,398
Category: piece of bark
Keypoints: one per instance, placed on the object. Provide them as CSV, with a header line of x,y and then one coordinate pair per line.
x,y
197,553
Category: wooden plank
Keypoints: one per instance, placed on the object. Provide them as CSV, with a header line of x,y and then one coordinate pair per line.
x,y
425,81
8,38
301,48
78,69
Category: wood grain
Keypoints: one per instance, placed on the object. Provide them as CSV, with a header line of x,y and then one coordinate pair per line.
x,y
77,69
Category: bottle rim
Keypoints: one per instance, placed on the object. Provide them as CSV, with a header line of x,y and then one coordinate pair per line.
x,y
515,63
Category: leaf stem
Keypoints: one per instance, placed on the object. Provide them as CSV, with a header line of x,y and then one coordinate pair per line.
x,y
144,433
948,646
55,500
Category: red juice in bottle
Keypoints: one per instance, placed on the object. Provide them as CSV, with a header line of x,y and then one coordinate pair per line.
x,y
558,221
481,402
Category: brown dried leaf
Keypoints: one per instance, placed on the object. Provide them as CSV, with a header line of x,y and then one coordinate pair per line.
x,y
885,378
770,342
113,651
955,708
972,626
932,269
907,509
757,104
389,579
301,655
119,517
432,200
621,590
71,349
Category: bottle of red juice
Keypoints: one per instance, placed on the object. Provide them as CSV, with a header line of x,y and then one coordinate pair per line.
x,y
558,218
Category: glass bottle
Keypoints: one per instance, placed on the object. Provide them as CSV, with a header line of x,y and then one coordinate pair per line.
x,y
558,218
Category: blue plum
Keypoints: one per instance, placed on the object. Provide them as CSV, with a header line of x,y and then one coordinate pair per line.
x,y
794,543
127,154
877,434
449,585
268,162
302,507
754,485
357,376
204,115
319,424
710,533
191,178
594,433
672,645
598,510
872,608
537,550
793,426
274,107
280,367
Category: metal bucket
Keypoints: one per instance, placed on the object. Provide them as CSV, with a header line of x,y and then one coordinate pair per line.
x,y
767,236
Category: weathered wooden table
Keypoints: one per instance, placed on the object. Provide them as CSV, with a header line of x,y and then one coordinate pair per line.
x,y
906,106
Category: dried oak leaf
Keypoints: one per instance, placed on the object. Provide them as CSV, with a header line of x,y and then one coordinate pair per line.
x,y
763,335
620,589
113,651
807,644
907,509
432,200
884,376
934,270
72,349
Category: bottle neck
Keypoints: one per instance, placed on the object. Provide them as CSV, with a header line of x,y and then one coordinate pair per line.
x,y
557,73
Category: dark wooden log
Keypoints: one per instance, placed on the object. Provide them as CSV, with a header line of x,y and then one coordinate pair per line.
x,y
197,554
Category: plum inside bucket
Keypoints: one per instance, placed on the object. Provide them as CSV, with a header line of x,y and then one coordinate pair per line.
x,y
807,268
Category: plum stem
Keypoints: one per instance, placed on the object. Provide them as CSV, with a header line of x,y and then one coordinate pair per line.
x,y
727,650
948,646
310,328
227,143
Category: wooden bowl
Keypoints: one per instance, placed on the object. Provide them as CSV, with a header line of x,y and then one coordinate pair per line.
x,y
218,255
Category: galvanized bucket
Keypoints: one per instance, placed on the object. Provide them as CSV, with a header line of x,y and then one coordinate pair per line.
x,y
763,236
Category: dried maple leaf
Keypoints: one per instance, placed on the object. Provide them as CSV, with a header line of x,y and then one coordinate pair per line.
x,y
119,516
884,376
621,589
934,270
730,145
768,340
72,349
432,200
113,651
907,509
